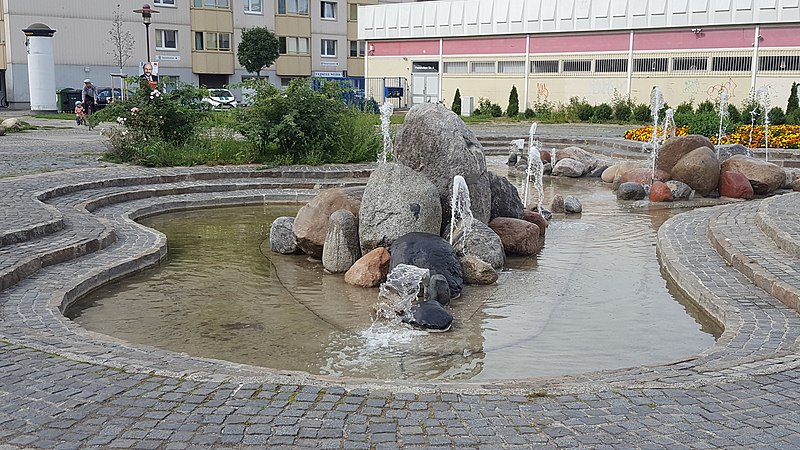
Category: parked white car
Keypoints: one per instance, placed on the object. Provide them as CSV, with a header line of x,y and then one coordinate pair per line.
x,y
220,99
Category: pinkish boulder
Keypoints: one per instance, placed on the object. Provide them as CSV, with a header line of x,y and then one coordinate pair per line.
x,y
535,218
765,177
660,192
735,185
370,270
310,226
519,237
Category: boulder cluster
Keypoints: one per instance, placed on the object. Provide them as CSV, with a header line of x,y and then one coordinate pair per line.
x,y
403,214
691,165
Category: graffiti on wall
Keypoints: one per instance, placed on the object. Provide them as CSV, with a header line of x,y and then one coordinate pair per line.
x,y
541,91
691,87
714,90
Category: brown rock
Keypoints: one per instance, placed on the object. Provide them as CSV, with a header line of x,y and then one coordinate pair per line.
x,y
765,177
796,185
578,154
699,169
370,270
677,147
660,192
612,172
518,236
735,185
477,271
311,223
535,218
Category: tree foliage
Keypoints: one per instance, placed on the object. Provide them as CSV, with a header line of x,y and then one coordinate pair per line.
x,y
792,104
456,106
258,49
122,41
513,102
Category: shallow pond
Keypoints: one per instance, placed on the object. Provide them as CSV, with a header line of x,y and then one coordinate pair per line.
x,y
593,299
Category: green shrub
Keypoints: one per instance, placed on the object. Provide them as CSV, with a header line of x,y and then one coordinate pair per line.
x,y
705,106
513,103
456,106
622,107
487,108
529,113
702,122
776,116
684,107
641,113
793,118
602,112
734,116
752,112
792,104
584,112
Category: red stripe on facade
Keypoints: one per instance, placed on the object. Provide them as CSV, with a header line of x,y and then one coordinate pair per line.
x,y
589,42
484,46
687,39
404,48
780,37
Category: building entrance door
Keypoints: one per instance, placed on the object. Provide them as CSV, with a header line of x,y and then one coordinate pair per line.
x,y
424,82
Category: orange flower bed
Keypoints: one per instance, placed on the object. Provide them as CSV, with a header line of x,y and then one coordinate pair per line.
x,y
780,136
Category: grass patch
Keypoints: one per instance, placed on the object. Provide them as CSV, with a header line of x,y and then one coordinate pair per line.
x,y
55,116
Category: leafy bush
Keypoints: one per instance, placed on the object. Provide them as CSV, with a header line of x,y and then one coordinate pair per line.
x,y
602,112
456,106
641,113
487,108
752,112
513,103
792,104
703,122
793,117
685,107
776,116
705,106
734,116
622,107
529,113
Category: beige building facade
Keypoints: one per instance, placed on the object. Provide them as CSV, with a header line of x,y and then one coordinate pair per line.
x,y
193,41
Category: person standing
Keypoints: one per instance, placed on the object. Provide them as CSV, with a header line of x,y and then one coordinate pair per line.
x,y
88,96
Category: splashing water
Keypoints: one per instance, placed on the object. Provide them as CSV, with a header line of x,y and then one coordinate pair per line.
x,y
396,294
535,169
460,210
656,103
386,113
723,114
764,102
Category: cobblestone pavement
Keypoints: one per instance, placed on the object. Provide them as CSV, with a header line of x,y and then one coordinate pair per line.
x,y
64,232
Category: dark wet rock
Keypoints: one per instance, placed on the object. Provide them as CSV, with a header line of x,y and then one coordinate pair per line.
x,y
598,172
506,201
725,151
437,289
572,205
341,248
631,191
429,251
429,315
281,238
397,201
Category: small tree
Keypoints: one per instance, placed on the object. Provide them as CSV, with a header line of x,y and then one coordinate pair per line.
x,y
456,107
121,40
793,103
513,103
258,49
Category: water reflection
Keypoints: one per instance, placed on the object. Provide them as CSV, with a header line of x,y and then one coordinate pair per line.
x,y
592,299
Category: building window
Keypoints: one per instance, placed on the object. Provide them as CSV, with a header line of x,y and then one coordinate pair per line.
x,y
212,41
455,67
328,10
786,62
164,2
286,80
611,65
353,12
166,40
650,65
223,4
482,67
357,49
292,45
298,7
578,65
690,63
731,63
328,47
549,66
252,6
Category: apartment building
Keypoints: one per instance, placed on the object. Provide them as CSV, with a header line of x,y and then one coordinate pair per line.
x,y
589,49
193,41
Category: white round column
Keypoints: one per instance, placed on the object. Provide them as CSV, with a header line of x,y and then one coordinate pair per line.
x,y
41,67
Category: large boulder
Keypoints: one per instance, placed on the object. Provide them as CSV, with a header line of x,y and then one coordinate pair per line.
x,y
735,185
341,248
428,251
281,239
435,142
660,192
725,151
428,315
397,200
631,191
519,237
311,223
483,243
765,177
506,201
476,271
699,169
568,167
677,147
537,219
578,154
614,172
370,270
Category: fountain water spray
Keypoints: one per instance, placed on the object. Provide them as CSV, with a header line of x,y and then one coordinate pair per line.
x,y
535,168
397,293
386,113
762,96
656,103
460,210
723,114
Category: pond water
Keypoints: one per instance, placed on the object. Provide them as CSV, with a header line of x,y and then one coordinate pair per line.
x,y
592,299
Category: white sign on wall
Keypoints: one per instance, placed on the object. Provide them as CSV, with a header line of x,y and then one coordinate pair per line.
x,y
168,57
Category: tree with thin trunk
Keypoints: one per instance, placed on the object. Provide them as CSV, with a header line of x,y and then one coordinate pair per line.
x,y
122,41
258,49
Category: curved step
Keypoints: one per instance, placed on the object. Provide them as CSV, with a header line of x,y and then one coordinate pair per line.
x,y
777,218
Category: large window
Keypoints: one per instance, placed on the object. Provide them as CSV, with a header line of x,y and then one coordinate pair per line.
x,y
685,63
299,7
328,10
292,45
164,2
166,39
252,6
212,41
783,62
650,65
731,63
224,4
455,67
353,15
548,66
357,49
577,65
482,67
328,47
611,65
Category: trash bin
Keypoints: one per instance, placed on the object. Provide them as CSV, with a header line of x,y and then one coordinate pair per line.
x,y
67,98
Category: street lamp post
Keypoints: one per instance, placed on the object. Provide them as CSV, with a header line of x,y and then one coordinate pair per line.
x,y
146,13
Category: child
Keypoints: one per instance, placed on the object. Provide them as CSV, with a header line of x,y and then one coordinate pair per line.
x,y
80,113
